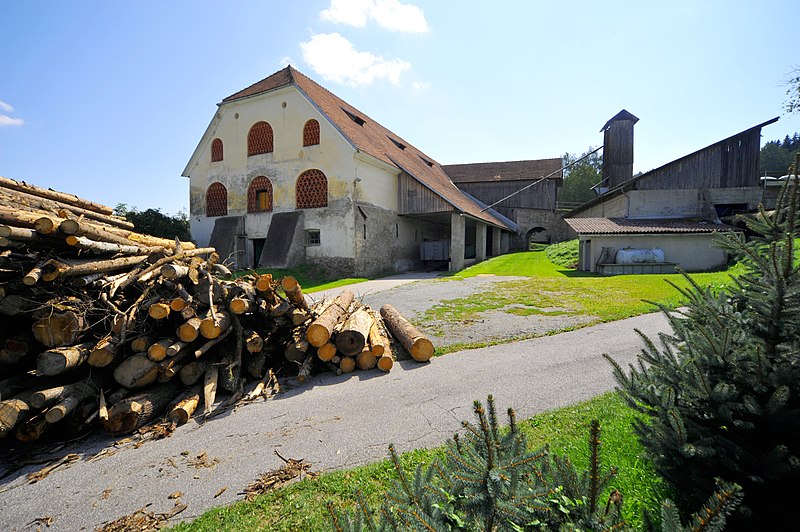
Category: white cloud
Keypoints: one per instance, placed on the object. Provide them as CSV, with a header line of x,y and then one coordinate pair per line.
x,y
388,14
420,86
6,120
336,59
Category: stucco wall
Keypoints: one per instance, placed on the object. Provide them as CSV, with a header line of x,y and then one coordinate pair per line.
x,y
351,175
693,252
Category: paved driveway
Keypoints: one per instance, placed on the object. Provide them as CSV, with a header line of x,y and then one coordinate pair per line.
x,y
331,421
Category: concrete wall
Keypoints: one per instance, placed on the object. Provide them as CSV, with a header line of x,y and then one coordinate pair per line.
x,y
693,252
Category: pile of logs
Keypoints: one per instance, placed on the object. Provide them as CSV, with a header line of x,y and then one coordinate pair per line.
x,y
101,325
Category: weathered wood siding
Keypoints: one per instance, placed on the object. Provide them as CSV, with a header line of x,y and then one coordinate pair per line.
x,y
618,153
540,196
727,164
414,198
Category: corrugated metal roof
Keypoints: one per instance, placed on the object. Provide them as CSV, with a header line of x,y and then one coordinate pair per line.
x,y
614,226
372,138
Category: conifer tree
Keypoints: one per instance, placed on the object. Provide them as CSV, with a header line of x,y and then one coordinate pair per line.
x,y
721,394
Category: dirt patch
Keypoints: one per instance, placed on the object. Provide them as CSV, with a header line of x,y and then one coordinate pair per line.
x,y
415,300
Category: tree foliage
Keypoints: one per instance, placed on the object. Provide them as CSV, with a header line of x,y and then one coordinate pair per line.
x,y
776,156
792,104
721,394
156,223
580,178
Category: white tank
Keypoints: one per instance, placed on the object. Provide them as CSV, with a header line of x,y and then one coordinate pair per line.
x,y
639,256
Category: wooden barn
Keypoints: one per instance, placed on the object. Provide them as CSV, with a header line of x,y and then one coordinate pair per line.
x,y
525,192
674,209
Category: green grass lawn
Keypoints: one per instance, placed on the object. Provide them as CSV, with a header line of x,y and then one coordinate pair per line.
x,y
311,278
301,506
549,289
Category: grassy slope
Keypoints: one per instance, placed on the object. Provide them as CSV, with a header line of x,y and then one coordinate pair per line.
x,y
301,506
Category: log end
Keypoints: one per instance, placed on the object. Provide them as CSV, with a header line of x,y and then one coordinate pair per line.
x,y
385,363
317,335
347,364
422,350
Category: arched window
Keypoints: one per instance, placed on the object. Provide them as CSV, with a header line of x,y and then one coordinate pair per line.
x,y
311,133
312,190
216,150
259,195
259,139
216,200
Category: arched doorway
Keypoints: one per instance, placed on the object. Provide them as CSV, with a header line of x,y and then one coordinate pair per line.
x,y
537,235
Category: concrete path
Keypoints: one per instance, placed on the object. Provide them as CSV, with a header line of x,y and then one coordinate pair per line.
x,y
375,285
333,422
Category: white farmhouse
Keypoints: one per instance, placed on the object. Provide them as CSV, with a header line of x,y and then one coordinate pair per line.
x,y
288,173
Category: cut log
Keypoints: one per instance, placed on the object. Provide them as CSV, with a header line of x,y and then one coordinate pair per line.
x,y
347,364
378,343
253,341
69,400
294,293
297,347
305,368
12,350
33,429
352,339
13,411
255,364
55,269
240,305
175,348
60,359
319,332
177,304
187,404
326,352
366,360
174,271
192,371
142,343
299,316
210,388
62,324
22,234
104,352
136,371
190,330
385,362
33,275
264,283
158,351
420,348
211,328
61,197
134,412
159,311
86,244
46,225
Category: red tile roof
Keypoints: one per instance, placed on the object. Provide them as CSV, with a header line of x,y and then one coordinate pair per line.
x,y
504,171
372,138
620,226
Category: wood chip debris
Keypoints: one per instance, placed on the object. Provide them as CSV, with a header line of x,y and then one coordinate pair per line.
x,y
277,478
142,520
45,471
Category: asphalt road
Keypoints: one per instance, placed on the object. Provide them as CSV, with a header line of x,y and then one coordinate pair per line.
x,y
333,422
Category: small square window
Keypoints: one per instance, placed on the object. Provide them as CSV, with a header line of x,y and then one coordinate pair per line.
x,y
312,237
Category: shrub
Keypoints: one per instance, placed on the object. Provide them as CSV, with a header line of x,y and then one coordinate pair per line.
x,y
721,394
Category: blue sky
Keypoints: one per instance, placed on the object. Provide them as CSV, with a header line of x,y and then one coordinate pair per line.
x,y
107,100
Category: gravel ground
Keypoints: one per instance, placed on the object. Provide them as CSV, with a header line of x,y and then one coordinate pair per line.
x,y
414,300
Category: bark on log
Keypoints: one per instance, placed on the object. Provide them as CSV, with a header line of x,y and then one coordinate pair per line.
x,y
14,349
63,323
33,275
134,412
18,233
319,332
410,338
353,337
297,347
174,271
210,388
378,343
142,343
86,244
60,359
299,316
33,429
69,400
136,371
55,269
61,197
192,371
294,293
182,412
176,347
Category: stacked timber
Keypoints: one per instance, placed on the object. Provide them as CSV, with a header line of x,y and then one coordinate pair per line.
x,y
104,326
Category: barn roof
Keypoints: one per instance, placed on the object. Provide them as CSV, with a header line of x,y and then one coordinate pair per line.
x,y
504,171
622,115
370,137
620,226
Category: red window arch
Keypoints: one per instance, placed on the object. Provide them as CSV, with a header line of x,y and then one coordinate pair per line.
x,y
259,195
259,139
312,190
216,200
311,133
216,150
